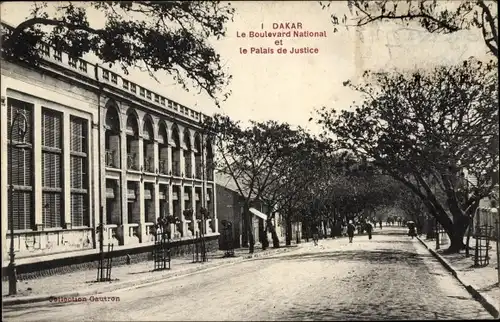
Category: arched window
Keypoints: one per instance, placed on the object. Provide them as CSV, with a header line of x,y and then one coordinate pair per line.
x,y
148,145
112,137
163,148
132,131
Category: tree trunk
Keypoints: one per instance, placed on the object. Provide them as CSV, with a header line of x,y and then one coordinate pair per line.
x,y
469,232
244,233
274,235
251,239
456,233
288,230
248,221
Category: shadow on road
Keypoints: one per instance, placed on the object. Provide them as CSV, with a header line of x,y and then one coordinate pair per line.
x,y
379,256
364,312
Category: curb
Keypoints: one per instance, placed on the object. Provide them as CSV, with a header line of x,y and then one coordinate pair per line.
x,y
485,301
129,285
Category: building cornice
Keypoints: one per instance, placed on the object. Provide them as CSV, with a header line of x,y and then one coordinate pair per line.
x,y
93,76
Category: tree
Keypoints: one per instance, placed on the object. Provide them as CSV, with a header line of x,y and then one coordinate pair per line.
x,y
424,129
252,157
432,15
171,36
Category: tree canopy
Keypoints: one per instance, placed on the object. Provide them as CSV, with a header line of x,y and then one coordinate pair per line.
x,y
432,15
171,36
258,158
424,129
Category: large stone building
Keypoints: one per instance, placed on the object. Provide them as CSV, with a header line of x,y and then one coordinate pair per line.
x,y
96,141
230,205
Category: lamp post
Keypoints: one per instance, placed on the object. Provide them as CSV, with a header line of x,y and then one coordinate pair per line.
x,y
22,127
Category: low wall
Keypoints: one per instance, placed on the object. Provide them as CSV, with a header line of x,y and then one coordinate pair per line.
x,y
90,261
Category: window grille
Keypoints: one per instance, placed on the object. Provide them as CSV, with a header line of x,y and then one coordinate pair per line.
x,y
51,216
125,84
45,50
79,175
114,78
142,92
22,212
79,213
21,175
58,55
51,168
162,101
105,74
133,88
83,65
73,62
148,95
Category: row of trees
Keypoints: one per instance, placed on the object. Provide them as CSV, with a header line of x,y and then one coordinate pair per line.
x,y
421,129
298,175
425,129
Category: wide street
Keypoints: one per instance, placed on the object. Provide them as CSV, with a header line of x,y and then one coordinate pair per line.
x,y
390,277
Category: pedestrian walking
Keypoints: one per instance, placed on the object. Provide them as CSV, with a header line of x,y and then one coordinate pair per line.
x,y
315,236
380,223
369,229
350,230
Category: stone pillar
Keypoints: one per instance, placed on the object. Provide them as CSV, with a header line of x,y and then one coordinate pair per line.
x,y
193,164
181,162
156,192
67,170
37,169
196,227
98,135
122,230
4,168
171,207
142,214
214,206
183,219
169,159
156,197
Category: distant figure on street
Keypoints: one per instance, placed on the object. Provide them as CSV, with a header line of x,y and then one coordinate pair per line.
x,y
350,230
315,236
380,223
369,229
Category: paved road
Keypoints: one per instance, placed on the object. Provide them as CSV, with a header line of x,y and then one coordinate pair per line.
x,y
390,277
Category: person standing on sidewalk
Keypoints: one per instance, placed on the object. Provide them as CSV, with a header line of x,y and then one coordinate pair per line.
x,y
350,230
315,235
369,229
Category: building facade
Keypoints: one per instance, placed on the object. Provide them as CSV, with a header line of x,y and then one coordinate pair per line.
x,y
230,207
86,144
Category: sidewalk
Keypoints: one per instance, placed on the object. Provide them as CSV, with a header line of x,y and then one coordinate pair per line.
x,y
83,283
481,282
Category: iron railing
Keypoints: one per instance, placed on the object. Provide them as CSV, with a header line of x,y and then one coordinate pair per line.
x,y
131,161
187,170
110,158
163,166
176,169
148,164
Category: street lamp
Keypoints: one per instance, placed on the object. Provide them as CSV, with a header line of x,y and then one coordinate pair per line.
x,y
22,127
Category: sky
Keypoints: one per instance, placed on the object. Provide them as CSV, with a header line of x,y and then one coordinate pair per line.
x,y
288,88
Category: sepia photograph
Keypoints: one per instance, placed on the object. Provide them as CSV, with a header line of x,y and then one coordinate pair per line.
x,y
249,160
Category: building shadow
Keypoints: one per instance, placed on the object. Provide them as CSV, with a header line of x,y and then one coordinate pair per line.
x,y
364,312
379,256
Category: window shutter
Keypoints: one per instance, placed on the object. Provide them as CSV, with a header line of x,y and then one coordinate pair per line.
x,y
51,210
78,172
20,205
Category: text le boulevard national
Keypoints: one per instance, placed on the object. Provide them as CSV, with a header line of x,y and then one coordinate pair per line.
x,y
278,33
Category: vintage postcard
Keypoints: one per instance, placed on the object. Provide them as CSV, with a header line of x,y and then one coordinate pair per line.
x,y
249,160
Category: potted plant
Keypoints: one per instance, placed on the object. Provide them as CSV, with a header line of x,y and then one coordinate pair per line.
x,y
188,213
203,214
